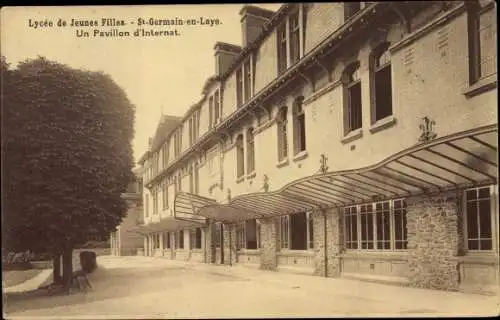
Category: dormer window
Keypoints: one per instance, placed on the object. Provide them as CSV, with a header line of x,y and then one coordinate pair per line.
x,y
244,80
290,36
294,38
217,104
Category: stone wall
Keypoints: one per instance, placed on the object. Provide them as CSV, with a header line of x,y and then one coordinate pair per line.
x,y
334,238
229,244
270,243
209,233
433,242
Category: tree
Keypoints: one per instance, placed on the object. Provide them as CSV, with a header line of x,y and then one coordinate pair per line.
x,y
67,157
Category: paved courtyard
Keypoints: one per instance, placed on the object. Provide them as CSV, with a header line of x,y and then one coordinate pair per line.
x,y
143,287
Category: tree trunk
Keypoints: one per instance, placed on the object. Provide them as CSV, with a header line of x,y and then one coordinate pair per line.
x,y
56,269
67,267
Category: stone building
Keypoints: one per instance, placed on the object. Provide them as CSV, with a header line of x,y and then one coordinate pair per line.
x,y
124,242
341,140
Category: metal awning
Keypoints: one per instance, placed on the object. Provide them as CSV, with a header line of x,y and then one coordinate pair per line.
x,y
456,161
165,225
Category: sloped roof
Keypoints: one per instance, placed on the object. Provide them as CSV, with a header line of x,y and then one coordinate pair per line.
x,y
166,125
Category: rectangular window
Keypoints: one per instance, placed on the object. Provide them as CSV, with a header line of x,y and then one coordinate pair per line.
x,y
383,225
299,126
351,227
282,48
367,227
354,100
482,40
216,107
239,88
401,235
383,92
376,226
248,80
294,38
146,206
210,112
165,195
479,218
155,200
284,231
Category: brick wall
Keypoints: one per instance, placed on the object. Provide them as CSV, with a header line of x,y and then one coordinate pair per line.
x,y
433,242
270,243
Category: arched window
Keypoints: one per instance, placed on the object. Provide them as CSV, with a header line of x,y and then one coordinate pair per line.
x,y
240,157
299,134
352,98
382,86
250,151
282,133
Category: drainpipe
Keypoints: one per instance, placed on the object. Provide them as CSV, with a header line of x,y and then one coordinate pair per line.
x,y
326,242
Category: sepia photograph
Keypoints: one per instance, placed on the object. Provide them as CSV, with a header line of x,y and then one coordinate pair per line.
x,y
250,160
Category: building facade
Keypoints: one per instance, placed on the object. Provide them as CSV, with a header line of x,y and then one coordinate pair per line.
x,y
124,241
341,140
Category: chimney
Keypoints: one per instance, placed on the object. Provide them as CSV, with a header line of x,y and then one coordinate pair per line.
x,y
252,20
224,55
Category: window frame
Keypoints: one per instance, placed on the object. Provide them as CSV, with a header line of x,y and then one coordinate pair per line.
x,y
349,82
282,123
240,156
282,39
250,152
493,194
165,195
359,238
286,239
294,37
375,70
299,125
239,87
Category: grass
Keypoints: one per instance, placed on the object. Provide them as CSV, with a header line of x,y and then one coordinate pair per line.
x,y
15,277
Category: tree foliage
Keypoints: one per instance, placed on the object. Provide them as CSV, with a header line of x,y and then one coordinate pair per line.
x,y
67,155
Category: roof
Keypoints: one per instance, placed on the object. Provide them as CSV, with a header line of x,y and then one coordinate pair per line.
x,y
457,161
165,127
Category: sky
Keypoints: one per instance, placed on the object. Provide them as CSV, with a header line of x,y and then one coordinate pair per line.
x,y
162,73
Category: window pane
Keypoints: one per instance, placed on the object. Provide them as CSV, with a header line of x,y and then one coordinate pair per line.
x,y
355,106
484,193
485,219
486,244
302,133
472,232
473,244
383,93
